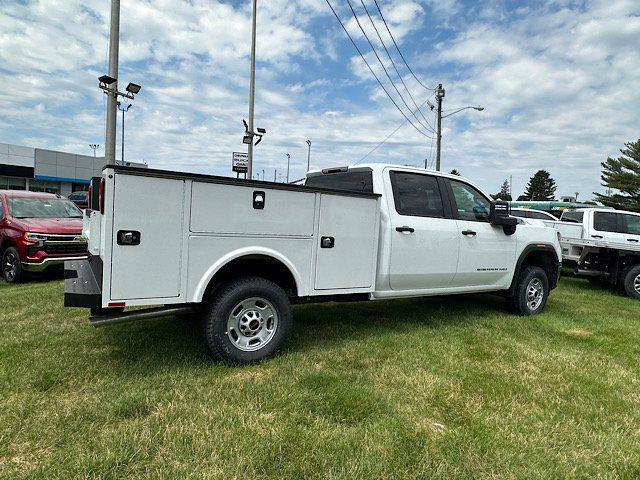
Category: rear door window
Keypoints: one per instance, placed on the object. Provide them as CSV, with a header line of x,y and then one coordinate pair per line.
x,y
632,224
606,222
416,194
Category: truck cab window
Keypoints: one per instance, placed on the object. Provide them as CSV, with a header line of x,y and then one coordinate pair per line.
x,y
357,181
416,194
605,221
631,222
470,203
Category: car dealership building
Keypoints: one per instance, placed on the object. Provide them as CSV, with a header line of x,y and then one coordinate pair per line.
x,y
42,170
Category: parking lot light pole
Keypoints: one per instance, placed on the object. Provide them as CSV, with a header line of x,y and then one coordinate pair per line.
x,y
123,110
112,95
288,161
308,154
94,147
252,87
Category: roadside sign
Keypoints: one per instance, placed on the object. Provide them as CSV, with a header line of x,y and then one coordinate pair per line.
x,y
240,162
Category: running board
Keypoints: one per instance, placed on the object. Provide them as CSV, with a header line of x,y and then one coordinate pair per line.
x,y
141,314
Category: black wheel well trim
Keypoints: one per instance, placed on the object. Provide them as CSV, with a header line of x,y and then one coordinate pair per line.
x,y
545,248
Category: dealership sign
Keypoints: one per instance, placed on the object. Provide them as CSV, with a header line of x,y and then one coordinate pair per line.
x,y
240,162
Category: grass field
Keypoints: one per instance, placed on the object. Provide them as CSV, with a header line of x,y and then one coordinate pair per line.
x,y
445,388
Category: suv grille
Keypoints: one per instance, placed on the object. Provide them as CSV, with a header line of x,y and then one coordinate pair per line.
x,y
72,248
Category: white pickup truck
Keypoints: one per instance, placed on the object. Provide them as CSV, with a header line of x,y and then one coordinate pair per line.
x,y
602,245
241,251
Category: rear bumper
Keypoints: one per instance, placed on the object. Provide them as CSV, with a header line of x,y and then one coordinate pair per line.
x,y
49,262
83,283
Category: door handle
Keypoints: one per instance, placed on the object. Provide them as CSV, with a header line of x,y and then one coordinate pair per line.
x,y
128,237
404,229
632,240
469,233
596,236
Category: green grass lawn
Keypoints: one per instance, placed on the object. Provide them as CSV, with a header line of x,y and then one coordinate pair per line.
x,y
444,387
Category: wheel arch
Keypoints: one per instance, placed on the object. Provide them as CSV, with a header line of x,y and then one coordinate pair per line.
x,y
261,262
539,255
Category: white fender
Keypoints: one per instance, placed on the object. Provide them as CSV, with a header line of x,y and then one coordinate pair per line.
x,y
243,252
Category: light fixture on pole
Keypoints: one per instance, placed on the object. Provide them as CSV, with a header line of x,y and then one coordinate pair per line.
x,y
124,110
308,154
94,147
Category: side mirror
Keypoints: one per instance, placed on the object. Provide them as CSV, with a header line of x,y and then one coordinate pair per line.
x,y
500,214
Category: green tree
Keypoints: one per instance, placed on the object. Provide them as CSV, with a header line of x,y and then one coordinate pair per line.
x,y
622,174
503,194
541,187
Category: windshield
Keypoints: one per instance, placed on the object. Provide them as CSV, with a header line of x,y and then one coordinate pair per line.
x,y
28,207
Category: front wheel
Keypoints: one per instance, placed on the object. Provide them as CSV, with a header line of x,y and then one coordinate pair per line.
x,y
11,266
632,282
531,293
247,320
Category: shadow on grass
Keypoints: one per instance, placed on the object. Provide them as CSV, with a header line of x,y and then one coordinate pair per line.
x,y
174,342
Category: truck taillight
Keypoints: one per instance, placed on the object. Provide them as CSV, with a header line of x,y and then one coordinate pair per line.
x,y
89,193
101,196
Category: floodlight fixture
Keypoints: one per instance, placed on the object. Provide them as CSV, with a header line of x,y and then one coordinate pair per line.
x,y
106,80
261,130
133,88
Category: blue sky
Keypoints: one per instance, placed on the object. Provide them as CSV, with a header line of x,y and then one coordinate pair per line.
x,y
559,80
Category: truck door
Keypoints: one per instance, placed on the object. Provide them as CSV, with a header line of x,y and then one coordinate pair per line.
x,y
631,224
424,237
608,226
146,263
487,254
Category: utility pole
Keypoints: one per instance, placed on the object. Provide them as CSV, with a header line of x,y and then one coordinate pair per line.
x,y
275,174
114,40
252,86
439,97
94,147
288,160
308,154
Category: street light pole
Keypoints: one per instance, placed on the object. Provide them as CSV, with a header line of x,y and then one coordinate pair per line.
x,y
252,81
308,154
94,147
114,40
288,160
439,97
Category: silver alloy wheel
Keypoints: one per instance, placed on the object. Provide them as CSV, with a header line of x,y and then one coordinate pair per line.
x,y
10,266
535,293
636,283
252,324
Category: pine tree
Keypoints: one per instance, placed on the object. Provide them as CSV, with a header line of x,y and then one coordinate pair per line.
x,y
504,192
541,187
623,174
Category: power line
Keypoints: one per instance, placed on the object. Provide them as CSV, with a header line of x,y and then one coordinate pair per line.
x,y
394,64
384,67
398,49
371,70
389,136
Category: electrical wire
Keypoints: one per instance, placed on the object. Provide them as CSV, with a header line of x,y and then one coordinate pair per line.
x,y
395,66
371,70
428,128
398,49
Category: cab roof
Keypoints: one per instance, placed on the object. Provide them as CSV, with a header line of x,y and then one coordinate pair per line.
x,y
26,193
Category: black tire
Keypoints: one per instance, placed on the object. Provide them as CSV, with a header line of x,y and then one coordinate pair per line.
x,y
631,282
11,267
521,303
230,344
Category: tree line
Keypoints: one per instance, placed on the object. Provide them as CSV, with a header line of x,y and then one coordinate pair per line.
x,y
621,177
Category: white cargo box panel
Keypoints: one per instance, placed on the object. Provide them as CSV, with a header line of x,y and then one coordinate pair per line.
x,y
231,209
154,208
347,242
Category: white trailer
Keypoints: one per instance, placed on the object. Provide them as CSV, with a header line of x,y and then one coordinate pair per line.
x,y
240,251
602,245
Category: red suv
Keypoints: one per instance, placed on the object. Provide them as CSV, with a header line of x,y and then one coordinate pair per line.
x,y
37,231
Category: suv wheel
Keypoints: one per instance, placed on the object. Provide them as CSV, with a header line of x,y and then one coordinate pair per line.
x,y
531,293
249,319
631,282
11,266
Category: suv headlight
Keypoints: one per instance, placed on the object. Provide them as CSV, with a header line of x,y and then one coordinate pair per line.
x,y
34,238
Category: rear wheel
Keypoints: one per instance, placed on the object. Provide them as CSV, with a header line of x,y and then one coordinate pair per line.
x,y
11,266
247,320
631,282
531,293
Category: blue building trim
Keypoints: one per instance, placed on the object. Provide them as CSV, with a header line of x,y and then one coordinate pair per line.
x,y
61,179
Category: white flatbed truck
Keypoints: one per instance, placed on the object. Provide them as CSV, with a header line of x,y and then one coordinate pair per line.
x,y
241,251
602,245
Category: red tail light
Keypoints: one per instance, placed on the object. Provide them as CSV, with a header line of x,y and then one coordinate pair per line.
x,y
101,196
